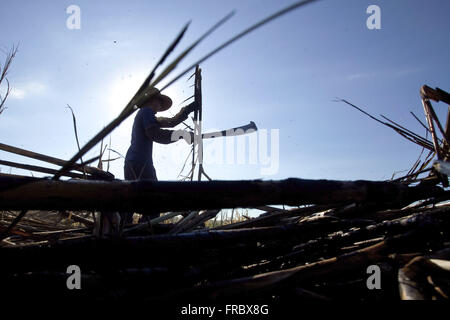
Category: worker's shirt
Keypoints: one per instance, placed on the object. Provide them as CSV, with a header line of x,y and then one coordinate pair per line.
x,y
141,147
146,129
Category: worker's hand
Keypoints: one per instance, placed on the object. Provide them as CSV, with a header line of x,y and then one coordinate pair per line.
x,y
191,107
185,111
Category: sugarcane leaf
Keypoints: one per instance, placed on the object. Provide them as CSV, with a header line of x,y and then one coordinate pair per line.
x,y
174,64
277,14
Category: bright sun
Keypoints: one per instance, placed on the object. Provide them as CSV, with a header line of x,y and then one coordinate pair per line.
x,y
122,89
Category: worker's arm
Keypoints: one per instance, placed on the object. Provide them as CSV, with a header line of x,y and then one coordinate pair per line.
x,y
178,118
163,136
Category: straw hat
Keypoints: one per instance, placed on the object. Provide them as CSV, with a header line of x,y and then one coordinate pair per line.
x,y
166,102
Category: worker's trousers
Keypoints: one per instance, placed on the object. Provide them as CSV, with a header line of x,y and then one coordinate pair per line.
x,y
134,170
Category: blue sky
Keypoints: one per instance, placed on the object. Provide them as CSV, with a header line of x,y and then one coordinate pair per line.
x,y
284,77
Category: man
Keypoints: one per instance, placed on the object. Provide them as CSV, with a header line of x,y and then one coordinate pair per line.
x,y
146,129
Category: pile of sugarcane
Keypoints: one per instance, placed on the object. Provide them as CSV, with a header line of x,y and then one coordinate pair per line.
x,y
319,248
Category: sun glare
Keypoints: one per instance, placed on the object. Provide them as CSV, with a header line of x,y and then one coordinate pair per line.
x,y
122,89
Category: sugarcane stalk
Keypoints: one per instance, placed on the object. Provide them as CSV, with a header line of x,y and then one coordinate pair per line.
x,y
183,222
432,130
428,113
198,126
162,196
264,221
198,220
38,169
39,156
412,278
